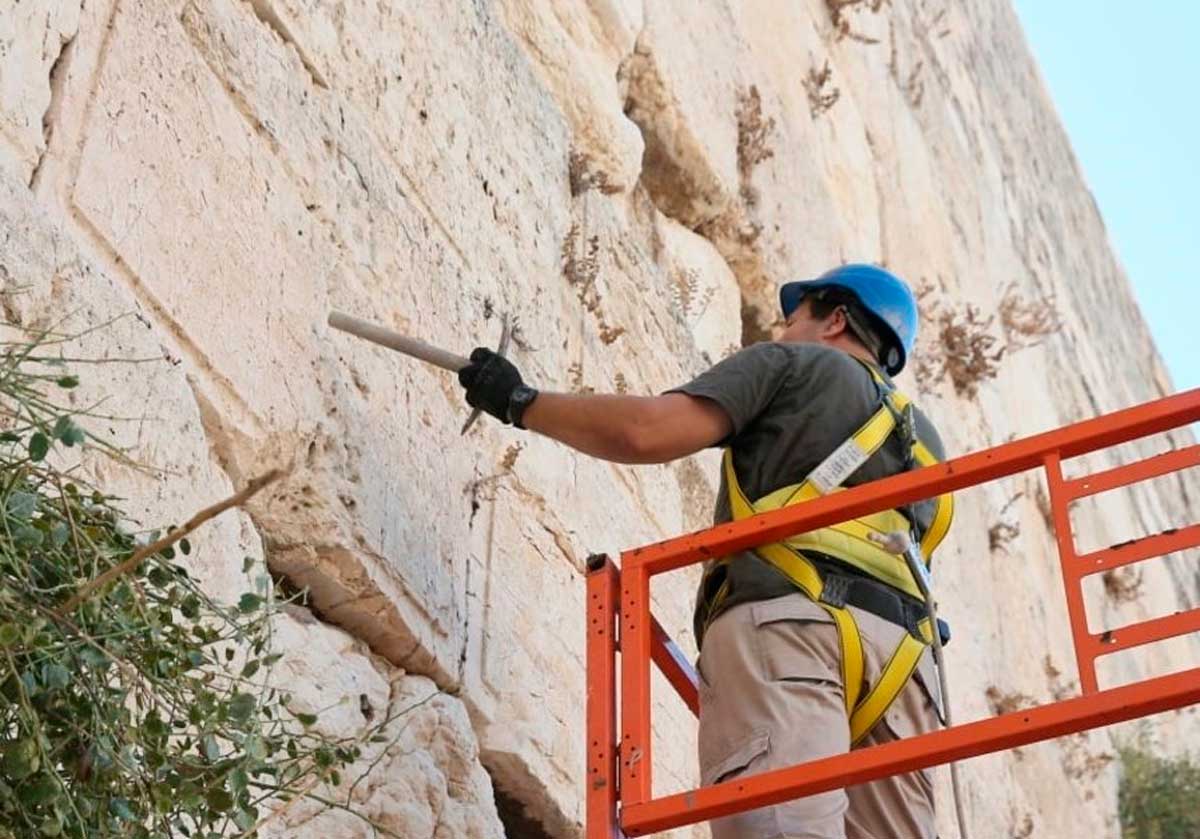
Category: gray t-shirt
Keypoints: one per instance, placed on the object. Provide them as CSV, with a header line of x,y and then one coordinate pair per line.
x,y
791,405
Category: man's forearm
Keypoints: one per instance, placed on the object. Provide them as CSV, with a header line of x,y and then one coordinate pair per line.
x,y
624,429
601,425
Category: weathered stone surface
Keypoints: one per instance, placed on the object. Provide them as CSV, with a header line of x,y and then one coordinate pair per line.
x,y
424,779
35,42
633,180
576,49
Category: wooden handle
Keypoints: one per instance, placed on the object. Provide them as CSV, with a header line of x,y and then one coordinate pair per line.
x,y
395,341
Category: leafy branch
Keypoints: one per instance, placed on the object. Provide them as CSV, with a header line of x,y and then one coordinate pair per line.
x,y
132,703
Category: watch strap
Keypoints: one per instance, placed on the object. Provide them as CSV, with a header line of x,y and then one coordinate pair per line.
x,y
521,398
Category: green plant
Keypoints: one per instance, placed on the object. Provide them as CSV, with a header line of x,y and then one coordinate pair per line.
x,y
1158,795
132,704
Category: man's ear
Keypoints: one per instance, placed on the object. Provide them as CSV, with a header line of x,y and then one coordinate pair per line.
x,y
835,324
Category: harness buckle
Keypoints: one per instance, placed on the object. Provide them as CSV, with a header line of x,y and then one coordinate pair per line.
x,y
912,622
836,590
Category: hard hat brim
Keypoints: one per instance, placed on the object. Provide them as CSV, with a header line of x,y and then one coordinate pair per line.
x,y
790,295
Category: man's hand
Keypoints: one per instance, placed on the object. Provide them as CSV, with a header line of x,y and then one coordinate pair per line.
x,y
490,380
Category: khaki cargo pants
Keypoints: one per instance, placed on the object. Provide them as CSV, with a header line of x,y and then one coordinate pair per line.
x,y
771,697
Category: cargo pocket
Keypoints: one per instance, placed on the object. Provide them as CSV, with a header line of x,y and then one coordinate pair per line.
x,y
910,715
926,677
797,641
735,758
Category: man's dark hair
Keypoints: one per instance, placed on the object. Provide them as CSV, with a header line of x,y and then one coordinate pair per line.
x,y
863,325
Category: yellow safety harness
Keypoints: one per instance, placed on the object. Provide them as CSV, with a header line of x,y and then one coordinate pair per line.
x,y
851,543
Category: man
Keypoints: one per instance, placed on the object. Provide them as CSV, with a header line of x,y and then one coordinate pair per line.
x,y
807,646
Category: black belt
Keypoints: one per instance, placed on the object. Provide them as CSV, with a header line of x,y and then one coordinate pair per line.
x,y
842,588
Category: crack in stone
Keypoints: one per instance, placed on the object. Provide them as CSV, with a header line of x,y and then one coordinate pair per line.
x,y
57,78
336,600
265,12
466,642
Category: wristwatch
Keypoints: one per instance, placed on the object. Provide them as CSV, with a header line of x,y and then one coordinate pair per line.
x,y
520,399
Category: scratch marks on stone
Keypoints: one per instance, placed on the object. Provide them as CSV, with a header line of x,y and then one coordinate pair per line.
x,y
467,608
415,193
17,146
192,20
362,182
90,106
548,520
200,361
634,489
565,548
486,618
265,11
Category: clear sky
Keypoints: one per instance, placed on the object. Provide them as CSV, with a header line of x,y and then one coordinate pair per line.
x,y
1126,80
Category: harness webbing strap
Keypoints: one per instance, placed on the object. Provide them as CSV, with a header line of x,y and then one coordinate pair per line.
x,y
944,511
892,679
805,576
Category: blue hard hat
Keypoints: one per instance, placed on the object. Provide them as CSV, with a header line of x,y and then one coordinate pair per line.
x,y
881,293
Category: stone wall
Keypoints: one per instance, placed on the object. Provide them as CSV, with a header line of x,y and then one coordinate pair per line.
x,y
631,180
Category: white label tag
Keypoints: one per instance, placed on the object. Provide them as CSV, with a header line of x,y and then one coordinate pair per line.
x,y
840,465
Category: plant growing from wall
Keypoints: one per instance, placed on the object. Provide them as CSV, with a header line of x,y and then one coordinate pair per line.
x,y
822,95
968,352
838,16
753,140
1157,796
580,267
132,704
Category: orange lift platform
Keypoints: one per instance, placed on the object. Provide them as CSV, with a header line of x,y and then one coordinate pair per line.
x,y
620,802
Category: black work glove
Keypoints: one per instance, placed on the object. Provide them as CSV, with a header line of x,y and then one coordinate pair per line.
x,y
490,380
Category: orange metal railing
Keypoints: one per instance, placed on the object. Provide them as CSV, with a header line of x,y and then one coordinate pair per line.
x,y
619,798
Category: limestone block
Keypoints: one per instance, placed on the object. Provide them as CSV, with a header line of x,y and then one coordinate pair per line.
x,y
35,37
423,780
245,98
